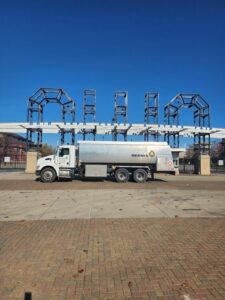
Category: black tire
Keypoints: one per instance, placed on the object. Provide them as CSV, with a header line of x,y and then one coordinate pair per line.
x,y
140,176
48,175
122,175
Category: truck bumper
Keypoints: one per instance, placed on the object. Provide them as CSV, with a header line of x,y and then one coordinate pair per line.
x,y
38,173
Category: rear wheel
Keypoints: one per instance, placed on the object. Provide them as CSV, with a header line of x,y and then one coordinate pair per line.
x,y
140,176
48,175
121,175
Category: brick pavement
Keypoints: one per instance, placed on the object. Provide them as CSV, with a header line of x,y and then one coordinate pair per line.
x,y
128,259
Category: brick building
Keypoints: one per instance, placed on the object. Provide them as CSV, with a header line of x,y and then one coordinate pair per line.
x,y
13,146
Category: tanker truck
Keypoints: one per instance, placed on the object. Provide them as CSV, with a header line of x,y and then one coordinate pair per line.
x,y
121,160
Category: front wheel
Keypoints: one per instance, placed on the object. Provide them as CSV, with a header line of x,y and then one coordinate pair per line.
x,y
140,176
121,175
48,175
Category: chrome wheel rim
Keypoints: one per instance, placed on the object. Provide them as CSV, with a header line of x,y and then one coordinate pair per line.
x,y
140,176
48,175
122,176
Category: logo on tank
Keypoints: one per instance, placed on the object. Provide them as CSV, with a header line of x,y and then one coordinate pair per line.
x,y
151,153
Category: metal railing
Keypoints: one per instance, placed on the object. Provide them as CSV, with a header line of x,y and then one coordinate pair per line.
x,y
12,165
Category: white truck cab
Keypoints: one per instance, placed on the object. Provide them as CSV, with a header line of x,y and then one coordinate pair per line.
x,y
57,165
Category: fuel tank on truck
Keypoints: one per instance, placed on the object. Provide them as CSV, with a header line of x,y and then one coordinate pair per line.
x,y
132,153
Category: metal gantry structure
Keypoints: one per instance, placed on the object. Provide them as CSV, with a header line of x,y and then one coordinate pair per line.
x,y
120,113
201,118
89,111
171,130
35,112
151,114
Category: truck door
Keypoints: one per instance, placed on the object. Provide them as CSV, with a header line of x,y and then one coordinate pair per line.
x,y
64,157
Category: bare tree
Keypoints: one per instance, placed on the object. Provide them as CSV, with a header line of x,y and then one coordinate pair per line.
x,y
190,152
217,151
47,150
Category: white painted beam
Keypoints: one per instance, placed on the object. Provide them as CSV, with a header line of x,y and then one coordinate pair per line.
x,y
107,128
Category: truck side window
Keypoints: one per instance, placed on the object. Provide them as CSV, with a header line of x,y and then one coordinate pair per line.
x,y
64,151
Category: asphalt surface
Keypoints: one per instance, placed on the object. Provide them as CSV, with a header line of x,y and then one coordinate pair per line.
x,y
21,181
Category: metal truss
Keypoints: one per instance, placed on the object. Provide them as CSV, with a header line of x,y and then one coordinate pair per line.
x,y
35,111
201,131
201,116
89,111
151,114
120,113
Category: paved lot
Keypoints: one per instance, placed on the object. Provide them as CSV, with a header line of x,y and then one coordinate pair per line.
x,y
100,240
108,203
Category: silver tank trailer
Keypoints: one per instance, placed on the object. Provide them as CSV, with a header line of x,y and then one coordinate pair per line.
x,y
132,153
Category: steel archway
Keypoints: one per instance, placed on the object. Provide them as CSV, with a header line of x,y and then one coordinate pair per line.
x,y
201,117
35,110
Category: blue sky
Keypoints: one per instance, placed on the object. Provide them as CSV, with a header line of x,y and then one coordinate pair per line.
x,y
165,46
